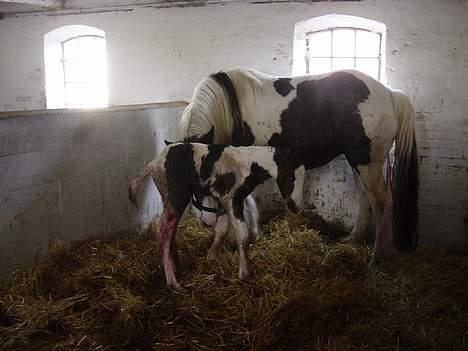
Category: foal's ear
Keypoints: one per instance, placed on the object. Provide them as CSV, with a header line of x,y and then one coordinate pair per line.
x,y
168,142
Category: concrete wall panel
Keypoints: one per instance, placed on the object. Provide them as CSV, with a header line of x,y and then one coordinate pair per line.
x,y
76,188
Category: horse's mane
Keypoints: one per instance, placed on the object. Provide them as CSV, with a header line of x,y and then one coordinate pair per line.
x,y
217,101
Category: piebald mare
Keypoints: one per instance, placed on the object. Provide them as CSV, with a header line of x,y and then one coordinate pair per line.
x,y
343,112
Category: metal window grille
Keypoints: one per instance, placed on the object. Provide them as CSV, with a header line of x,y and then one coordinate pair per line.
x,y
331,57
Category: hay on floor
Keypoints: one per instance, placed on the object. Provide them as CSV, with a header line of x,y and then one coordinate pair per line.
x,y
306,294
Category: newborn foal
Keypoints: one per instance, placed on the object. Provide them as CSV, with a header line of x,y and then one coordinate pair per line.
x,y
226,173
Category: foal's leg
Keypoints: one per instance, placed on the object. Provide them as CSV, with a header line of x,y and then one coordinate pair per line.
x,y
361,228
221,229
237,222
165,238
374,184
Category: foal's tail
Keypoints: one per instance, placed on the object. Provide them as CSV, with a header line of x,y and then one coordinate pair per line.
x,y
405,182
136,182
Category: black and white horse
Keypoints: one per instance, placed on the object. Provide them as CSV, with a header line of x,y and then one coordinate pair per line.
x,y
343,112
228,174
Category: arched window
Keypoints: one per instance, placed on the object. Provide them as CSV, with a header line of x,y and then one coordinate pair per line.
x,y
76,67
333,42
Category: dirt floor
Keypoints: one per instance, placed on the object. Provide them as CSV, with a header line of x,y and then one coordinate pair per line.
x,y
307,293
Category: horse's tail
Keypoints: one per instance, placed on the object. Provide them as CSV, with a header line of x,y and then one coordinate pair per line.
x,y
136,182
405,180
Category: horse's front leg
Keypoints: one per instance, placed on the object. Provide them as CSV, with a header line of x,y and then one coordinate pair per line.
x,y
166,241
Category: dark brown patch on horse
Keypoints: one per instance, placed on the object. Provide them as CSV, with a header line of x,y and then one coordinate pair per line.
x,y
224,182
208,161
257,176
181,175
242,136
288,159
206,138
324,120
283,86
241,133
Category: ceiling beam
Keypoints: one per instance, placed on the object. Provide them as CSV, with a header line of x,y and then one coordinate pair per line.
x,y
52,4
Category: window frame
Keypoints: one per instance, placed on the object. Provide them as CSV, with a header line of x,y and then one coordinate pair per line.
x,y
54,63
332,22
355,57
63,61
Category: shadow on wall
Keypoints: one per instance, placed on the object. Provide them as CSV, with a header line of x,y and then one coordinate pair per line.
x,y
64,175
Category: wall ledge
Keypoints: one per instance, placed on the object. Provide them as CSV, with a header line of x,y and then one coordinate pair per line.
x,y
115,108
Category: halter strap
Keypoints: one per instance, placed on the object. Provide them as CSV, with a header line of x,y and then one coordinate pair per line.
x,y
197,204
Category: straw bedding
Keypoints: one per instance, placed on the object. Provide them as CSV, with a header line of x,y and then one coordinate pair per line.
x,y
307,293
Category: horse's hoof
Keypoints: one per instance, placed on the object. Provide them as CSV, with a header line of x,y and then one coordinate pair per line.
x,y
245,276
383,254
350,239
375,261
390,251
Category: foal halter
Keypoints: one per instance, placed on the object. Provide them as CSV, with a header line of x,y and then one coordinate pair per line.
x,y
197,204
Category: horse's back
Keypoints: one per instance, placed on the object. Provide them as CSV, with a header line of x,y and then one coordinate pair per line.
x,y
327,114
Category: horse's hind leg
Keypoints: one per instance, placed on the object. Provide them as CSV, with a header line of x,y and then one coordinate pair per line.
x,y
374,185
361,228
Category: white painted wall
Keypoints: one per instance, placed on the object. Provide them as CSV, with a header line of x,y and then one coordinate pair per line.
x,y
160,54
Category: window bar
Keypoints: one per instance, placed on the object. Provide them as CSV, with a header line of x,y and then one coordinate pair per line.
x,y
62,44
354,57
347,57
331,49
380,56
355,45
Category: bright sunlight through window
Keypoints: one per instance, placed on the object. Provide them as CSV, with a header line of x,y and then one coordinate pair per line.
x,y
76,68
335,42
84,67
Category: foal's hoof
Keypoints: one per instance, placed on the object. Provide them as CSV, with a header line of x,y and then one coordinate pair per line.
x,y
179,289
212,255
245,276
